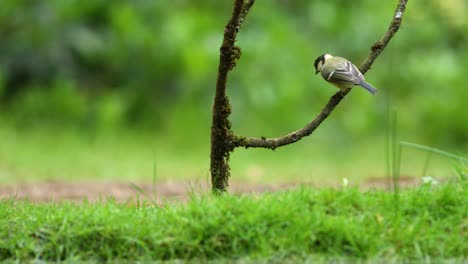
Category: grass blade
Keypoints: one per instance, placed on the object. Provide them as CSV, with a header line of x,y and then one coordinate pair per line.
x,y
433,150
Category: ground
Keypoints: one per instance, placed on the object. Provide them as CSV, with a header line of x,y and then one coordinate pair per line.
x,y
168,190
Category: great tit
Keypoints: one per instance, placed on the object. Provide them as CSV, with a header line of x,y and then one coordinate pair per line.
x,y
341,73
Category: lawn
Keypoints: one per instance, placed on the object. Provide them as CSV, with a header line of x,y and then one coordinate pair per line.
x,y
421,224
316,219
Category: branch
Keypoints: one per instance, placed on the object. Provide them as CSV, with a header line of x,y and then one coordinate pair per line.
x,y
221,134
229,52
377,48
380,45
247,5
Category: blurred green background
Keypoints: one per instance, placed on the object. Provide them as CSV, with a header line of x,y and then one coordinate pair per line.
x,y
122,90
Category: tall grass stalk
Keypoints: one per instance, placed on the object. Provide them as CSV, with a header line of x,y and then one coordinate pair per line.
x,y
392,148
155,173
140,191
434,150
395,157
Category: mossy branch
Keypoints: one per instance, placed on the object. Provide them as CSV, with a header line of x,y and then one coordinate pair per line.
x,y
221,134
377,48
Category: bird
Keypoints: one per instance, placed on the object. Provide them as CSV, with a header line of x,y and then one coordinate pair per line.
x,y
341,73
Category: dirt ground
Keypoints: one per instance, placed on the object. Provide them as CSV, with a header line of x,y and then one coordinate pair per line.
x,y
163,191
121,191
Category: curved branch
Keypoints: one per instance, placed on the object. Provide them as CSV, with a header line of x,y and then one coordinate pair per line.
x,y
377,48
380,45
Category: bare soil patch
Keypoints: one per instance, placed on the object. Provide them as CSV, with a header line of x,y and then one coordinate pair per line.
x,y
161,191
121,191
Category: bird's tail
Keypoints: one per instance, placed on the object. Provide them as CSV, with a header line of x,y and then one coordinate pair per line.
x,y
371,89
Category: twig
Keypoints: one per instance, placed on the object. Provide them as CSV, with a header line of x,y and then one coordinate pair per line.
x,y
245,10
380,45
377,48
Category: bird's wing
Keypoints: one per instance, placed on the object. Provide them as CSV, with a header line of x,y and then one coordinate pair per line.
x,y
346,74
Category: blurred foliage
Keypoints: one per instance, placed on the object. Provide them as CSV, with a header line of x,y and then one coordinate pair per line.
x,y
109,64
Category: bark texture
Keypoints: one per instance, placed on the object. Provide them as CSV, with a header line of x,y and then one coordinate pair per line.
x,y
221,134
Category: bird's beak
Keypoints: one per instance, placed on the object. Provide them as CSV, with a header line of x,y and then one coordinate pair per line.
x,y
316,71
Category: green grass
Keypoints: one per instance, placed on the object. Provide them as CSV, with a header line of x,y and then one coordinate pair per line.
x,y
430,224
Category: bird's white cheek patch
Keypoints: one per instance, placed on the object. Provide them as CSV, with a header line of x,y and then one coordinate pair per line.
x,y
319,66
327,57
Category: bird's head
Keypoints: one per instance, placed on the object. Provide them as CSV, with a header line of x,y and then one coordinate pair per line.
x,y
320,61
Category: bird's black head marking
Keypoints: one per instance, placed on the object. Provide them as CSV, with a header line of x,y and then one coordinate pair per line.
x,y
319,62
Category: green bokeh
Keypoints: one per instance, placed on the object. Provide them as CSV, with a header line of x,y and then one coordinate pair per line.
x,y
150,66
